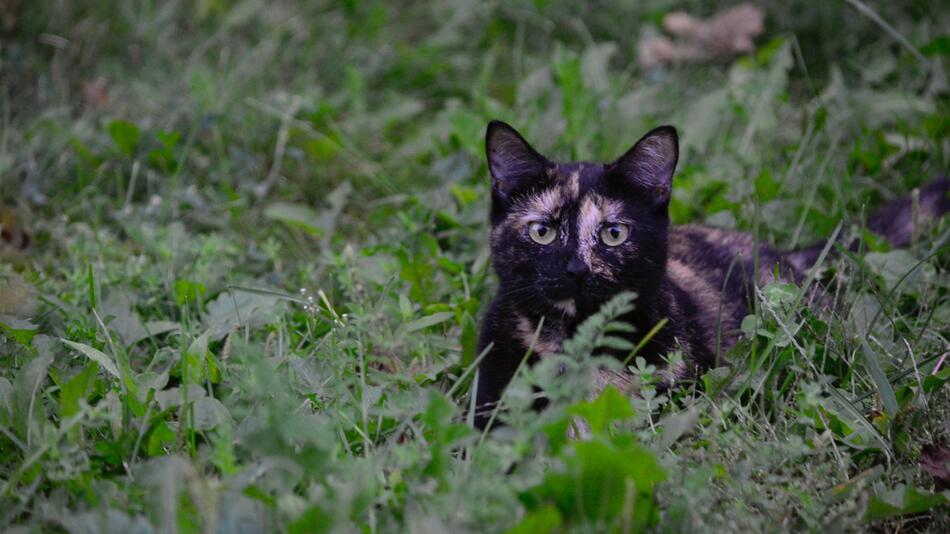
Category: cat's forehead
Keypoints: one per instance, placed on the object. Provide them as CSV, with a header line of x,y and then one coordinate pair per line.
x,y
572,190
574,180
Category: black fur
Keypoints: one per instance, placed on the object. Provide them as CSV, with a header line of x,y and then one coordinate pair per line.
x,y
697,278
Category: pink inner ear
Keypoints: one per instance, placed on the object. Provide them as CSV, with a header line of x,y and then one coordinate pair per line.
x,y
651,162
511,160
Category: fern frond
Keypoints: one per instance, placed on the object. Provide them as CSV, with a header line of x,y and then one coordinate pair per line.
x,y
593,332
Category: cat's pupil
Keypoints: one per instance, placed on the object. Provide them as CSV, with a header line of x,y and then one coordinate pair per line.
x,y
542,231
614,232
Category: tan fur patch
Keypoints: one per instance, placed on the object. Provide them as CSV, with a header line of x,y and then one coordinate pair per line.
x,y
545,343
705,294
573,185
594,211
619,379
737,244
672,374
567,306
545,206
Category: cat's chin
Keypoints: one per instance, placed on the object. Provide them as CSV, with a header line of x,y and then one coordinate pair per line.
x,y
567,306
576,306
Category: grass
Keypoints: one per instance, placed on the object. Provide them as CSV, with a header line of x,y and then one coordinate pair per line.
x,y
258,250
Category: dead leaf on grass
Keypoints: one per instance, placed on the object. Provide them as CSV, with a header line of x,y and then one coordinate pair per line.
x,y
935,459
728,33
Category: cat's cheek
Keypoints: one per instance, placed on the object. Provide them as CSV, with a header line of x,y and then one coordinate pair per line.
x,y
623,251
600,267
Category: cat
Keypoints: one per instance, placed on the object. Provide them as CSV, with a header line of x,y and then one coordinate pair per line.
x,y
565,237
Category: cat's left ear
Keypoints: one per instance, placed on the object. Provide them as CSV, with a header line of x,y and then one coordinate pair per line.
x,y
649,165
513,163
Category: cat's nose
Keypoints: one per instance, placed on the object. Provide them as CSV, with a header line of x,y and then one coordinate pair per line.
x,y
576,268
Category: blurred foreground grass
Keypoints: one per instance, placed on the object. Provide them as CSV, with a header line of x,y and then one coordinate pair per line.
x,y
173,173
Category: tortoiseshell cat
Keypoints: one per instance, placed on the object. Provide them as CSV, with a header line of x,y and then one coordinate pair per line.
x,y
568,236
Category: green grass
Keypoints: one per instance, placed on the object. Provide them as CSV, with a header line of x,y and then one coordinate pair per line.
x,y
258,257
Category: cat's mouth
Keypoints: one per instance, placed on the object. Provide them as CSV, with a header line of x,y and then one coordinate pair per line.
x,y
576,299
565,297
564,291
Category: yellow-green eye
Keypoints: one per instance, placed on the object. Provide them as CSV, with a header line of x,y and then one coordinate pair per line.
x,y
614,234
541,233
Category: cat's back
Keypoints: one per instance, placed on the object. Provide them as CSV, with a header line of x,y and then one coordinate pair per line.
x,y
709,272
711,253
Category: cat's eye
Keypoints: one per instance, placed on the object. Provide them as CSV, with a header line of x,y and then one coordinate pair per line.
x,y
614,234
541,233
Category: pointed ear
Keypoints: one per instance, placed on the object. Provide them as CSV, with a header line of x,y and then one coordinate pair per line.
x,y
513,163
649,165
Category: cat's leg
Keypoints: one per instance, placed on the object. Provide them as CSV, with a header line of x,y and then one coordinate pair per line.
x,y
498,366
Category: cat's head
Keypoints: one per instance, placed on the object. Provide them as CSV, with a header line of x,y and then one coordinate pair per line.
x,y
568,236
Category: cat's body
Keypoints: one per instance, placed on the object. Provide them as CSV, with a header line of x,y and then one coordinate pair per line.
x,y
567,237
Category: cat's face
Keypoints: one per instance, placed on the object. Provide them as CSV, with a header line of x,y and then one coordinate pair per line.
x,y
566,237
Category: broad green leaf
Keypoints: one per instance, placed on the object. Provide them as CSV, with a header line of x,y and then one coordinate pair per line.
x,y
19,329
125,321
864,309
77,389
125,135
884,388
933,382
194,364
149,381
610,406
616,343
187,291
155,328
232,309
208,413
427,321
28,407
900,270
106,519
675,425
6,400
469,339
159,437
544,519
173,397
597,480
296,215
902,501
313,521
95,355
222,450
442,433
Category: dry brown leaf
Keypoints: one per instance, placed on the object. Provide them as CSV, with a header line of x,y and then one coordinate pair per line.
x,y
96,92
12,234
9,12
727,33
17,297
935,459
14,237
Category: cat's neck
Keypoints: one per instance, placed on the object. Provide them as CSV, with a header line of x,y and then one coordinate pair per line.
x,y
651,307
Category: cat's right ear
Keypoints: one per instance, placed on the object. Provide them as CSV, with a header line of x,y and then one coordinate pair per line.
x,y
648,167
513,163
